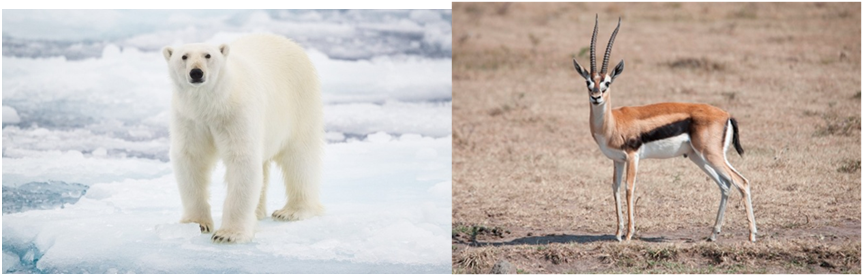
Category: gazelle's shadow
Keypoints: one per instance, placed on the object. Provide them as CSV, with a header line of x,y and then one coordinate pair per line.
x,y
551,239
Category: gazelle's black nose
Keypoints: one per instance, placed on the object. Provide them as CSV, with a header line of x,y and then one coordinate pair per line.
x,y
196,75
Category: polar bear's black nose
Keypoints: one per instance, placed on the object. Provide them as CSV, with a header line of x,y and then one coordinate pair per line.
x,y
196,74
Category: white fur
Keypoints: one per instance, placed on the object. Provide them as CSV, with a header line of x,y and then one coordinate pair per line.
x,y
605,82
611,153
618,179
666,148
259,102
729,136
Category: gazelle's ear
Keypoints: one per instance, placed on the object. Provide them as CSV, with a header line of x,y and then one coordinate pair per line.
x,y
167,52
581,71
617,70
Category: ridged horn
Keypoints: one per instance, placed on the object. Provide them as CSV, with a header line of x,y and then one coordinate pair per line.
x,y
608,49
593,46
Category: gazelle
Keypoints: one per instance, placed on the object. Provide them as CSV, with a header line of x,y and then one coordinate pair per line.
x,y
625,135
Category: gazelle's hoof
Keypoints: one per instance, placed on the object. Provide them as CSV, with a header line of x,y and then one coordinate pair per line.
x,y
712,237
619,238
630,233
752,237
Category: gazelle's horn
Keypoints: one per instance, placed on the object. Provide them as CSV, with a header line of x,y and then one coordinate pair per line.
x,y
593,46
608,49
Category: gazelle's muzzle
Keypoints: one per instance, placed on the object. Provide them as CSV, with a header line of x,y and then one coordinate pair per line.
x,y
596,99
595,95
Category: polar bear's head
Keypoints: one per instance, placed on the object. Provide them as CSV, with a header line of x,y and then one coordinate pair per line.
x,y
195,64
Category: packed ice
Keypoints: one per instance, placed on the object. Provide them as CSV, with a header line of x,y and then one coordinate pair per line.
x,y
88,186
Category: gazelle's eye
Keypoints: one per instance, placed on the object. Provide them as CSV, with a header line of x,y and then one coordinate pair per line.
x,y
207,56
184,57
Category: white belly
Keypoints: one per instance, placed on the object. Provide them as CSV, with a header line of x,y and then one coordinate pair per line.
x,y
666,148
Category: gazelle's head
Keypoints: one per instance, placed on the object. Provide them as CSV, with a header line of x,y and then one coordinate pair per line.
x,y
598,83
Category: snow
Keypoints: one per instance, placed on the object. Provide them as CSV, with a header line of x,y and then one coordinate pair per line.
x,y
428,118
374,217
88,186
129,88
442,189
9,261
10,115
73,166
409,79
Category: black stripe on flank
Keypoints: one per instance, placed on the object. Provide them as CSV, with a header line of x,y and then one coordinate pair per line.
x,y
663,132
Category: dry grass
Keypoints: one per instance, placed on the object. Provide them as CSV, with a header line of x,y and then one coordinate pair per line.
x,y
801,256
524,162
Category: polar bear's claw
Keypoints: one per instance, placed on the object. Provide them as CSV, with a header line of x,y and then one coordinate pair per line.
x,y
220,239
223,236
204,228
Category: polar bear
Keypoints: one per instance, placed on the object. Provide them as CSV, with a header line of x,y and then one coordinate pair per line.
x,y
249,103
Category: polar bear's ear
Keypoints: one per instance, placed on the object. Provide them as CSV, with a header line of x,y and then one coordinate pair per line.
x,y
167,51
224,49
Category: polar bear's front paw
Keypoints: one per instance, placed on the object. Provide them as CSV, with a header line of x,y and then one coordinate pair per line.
x,y
226,236
290,214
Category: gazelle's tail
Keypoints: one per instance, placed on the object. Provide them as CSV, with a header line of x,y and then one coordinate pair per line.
x,y
736,139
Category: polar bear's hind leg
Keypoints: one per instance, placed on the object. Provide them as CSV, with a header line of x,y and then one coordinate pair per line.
x,y
301,170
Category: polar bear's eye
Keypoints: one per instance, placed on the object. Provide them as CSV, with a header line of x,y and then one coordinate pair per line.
x,y
184,57
207,56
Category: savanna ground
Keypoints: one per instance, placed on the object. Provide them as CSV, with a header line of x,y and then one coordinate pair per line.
x,y
531,187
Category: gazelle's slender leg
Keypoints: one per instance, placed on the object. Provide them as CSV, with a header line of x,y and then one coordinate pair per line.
x,y
737,179
618,176
722,182
631,169
720,215
749,213
743,186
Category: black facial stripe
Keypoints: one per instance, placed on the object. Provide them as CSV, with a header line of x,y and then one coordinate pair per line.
x,y
659,133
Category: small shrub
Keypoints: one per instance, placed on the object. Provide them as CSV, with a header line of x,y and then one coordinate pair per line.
x,y
696,64
835,125
849,166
